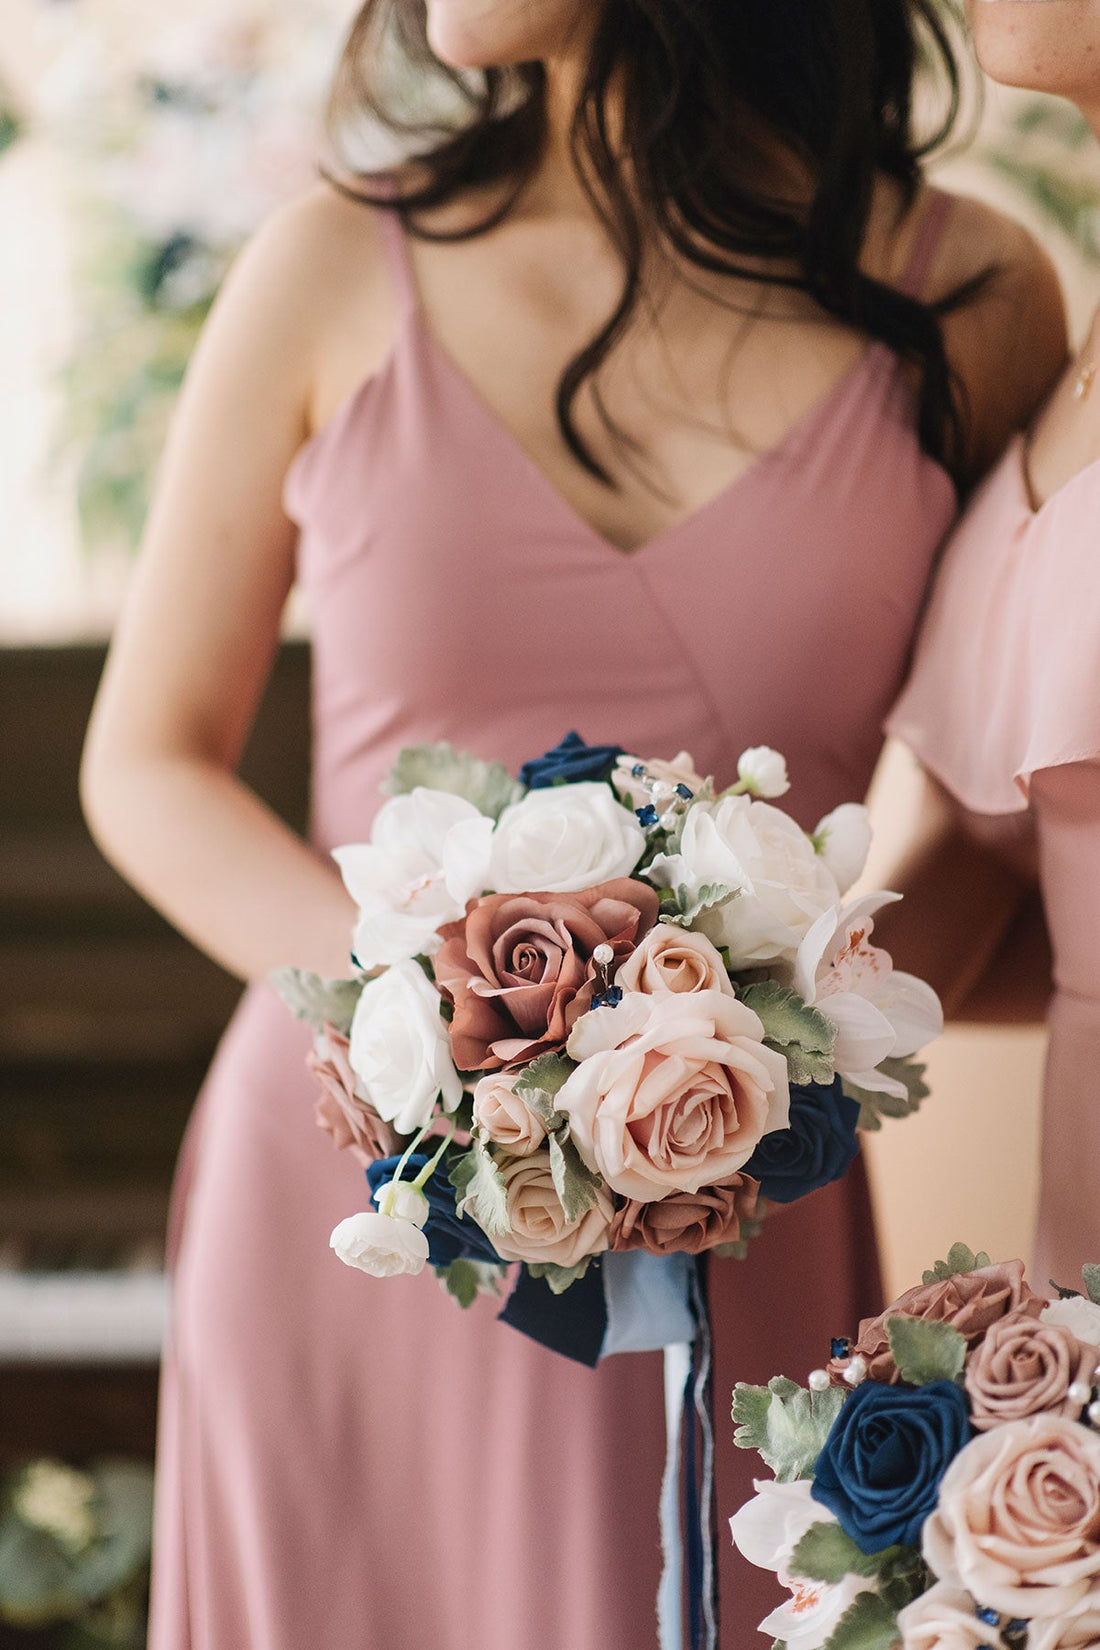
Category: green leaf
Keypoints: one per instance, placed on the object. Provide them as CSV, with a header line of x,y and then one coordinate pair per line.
x,y
681,906
959,1259
925,1350
786,1424
801,1033
316,1000
538,1084
867,1624
575,1184
825,1553
874,1105
466,1279
1091,1275
488,785
559,1277
479,1190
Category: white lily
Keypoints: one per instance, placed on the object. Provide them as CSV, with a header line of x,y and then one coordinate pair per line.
x,y
879,1012
766,1530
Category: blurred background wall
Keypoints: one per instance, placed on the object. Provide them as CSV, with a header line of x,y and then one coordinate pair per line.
x,y
138,147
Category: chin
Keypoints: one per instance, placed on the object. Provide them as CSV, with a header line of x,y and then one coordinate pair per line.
x,y
1041,45
485,34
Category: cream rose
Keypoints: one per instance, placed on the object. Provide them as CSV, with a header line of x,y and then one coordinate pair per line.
x,y
673,1092
945,1618
538,1229
674,959
1080,1631
505,1117
563,838
1080,1316
1018,1521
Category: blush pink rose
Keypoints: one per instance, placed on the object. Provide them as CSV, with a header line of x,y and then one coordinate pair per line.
x,y
1018,1520
518,967
539,1230
687,1222
353,1125
674,959
944,1618
673,1092
1025,1367
505,1117
970,1302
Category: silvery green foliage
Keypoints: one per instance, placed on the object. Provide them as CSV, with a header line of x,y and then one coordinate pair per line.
x,y
480,1190
869,1623
466,1279
558,1278
874,1105
959,1259
1091,1275
800,1033
317,1001
683,907
785,1424
488,785
826,1553
577,1187
925,1350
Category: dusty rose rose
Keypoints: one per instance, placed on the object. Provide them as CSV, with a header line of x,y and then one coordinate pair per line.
x,y
672,1092
1025,1367
506,1117
674,959
944,1618
680,771
539,1229
970,1302
352,1123
1018,1520
687,1222
518,966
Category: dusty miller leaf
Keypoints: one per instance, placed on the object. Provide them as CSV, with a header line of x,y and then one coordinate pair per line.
x,y
479,1190
800,1033
867,1624
538,1085
682,906
826,1554
574,1183
315,1000
559,1277
925,1350
488,785
466,1279
874,1105
959,1259
1091,1275
785,1424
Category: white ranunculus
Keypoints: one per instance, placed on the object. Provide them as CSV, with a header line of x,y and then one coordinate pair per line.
x,y
380,1245
843,839
763,772
782,884
563,838
1080,1316
400,1050
766,1530
428,854
404,1201
879,1012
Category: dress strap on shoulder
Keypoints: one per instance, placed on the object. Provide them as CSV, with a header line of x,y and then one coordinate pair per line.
x,y
935,216
395,250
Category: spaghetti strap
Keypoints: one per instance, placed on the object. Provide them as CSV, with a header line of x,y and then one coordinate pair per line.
x,y
926,242
396,253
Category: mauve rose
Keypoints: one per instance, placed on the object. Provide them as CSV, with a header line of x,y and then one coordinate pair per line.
x,y
1018,1520
686,1222
945,1618
970,1302
353,1124
505,1117
1025,1367
518,967
539,1230
671,958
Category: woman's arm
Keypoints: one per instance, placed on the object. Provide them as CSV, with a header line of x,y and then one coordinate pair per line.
x,y
201,623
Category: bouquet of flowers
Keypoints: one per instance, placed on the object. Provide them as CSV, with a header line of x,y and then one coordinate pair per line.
x,y
603,1008
937,1487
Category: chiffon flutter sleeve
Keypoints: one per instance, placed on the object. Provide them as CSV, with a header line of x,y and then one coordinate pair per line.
x,y
1006,678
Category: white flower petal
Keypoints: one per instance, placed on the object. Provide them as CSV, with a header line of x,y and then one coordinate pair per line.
x,y
467,851
914,1011
864,1037
380,1245
844,838
763,771
400,1050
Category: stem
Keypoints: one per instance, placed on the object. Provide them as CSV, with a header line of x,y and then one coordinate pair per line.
x,y
433,1163
385,1207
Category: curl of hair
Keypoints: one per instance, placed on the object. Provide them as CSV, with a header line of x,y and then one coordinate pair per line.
x,y
701,95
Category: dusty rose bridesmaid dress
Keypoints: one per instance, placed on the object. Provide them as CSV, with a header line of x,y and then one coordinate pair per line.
x,y
355,1465
1004,707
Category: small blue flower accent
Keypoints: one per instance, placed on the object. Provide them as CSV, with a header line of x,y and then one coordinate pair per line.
x,y
987,1617
450,1236
611,998
569,763
647,816
840,1346
816,1147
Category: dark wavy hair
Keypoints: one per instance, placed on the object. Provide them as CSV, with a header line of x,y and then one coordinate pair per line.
x,y
702,95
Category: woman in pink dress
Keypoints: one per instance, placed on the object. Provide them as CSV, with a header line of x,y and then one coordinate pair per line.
x,y
1004,703
623,408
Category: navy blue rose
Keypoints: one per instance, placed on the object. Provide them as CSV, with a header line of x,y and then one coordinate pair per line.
x,y
450,1236
817,1145
569,763
882,1463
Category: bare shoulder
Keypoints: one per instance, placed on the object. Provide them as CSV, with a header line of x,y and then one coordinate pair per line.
x,y
1007,342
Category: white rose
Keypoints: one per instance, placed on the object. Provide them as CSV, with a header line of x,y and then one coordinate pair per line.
x,y
403,1201
763,772
782,885
400,1050
879,1012
766,1530
380,1245
428,854
563,838
1080,1316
